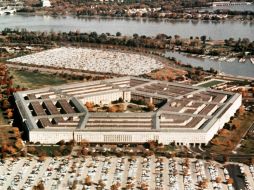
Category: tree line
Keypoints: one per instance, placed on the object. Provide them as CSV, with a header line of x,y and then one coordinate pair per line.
x,y
161,41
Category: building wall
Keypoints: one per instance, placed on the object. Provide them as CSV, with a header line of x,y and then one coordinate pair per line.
x,y
103,98
127,96
140,137
50,137
220,122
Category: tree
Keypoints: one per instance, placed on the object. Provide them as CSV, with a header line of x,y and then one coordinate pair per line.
x,y
236,123
61,143
101,184
74,185
5,104
121,107
218,180
203,184
88,181
10,115
230,181
112,109
203,39
150,106
89,106
84,143
19,144
42,158
135,35
56,153
11,150
115,186
39,186
252,160
143,186
31,149
84,151
118,34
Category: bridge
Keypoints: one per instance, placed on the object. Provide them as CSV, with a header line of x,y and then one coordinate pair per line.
x,y
229,3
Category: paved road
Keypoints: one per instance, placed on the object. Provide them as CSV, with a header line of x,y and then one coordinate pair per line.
x,y
235,173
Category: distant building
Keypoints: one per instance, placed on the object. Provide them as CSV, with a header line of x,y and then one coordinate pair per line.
x,y
187,115
46,3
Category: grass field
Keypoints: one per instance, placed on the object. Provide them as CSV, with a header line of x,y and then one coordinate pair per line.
x,y
233,136
210,83
33,80
247,147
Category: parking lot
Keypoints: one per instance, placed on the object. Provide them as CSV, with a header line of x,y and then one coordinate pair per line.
x,y
124,172
96,60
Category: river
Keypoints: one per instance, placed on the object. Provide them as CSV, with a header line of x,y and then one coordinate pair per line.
x,y
187,28
215,30
232,68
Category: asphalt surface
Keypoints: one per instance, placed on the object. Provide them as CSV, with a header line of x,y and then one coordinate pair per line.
x,y
235,173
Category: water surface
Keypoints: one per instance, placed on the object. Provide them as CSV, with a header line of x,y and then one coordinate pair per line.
x,y
215,29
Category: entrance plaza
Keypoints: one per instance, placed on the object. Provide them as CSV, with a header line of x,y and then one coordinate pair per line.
x,y
178,113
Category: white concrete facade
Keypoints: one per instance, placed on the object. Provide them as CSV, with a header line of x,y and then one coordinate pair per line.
x,y
107,97
52,137
219,123
167,124
184,137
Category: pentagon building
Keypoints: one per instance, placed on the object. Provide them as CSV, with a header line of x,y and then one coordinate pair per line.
x,y
185,114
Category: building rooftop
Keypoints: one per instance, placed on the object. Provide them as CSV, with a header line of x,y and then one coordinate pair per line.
x,y
181,107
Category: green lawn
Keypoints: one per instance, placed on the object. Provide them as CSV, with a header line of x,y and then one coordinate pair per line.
x,y
211,83
33,80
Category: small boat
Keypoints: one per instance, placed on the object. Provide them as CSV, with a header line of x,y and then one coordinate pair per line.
x,y
242,60
252,60
222,59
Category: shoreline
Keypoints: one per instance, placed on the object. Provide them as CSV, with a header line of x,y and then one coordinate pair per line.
x,y
153,53
150,19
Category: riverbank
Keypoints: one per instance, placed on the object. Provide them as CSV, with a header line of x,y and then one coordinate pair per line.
x,y
157,10
219,16
17,39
